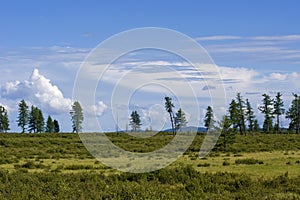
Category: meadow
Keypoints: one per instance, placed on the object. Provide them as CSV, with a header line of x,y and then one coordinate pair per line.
x,y
58,166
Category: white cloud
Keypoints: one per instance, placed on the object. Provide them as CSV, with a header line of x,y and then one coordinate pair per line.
x,y
237,74
40,91
278,38
47,94
218,37
278,76
99,108
259,38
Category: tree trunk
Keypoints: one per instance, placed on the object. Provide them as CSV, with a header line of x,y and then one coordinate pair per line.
x,y
172,123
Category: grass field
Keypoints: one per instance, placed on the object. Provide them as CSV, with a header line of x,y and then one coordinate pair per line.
x,y
271,160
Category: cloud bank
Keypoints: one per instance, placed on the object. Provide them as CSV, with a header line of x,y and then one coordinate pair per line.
x,y
37,90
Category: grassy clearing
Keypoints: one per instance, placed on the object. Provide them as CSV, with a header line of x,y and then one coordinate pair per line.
x,y
273,155
57,166
269,164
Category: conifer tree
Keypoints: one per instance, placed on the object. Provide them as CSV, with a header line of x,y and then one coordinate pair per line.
x,y
23,116
56,126
267,110
278,110
293,114
250,117
49,125
180,119
76,117
135,121
209,118
4,122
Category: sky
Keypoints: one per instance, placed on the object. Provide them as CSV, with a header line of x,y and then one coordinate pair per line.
x,y
255,45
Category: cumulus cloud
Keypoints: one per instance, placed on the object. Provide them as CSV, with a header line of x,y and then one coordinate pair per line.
x,y
237,74
99,108
278,76
38,90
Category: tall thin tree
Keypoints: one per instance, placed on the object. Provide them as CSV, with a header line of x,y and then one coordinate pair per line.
x,y
33,119
76,117
209,118
23,115
40,121
180,119
293,114
49,125
234,115
169,108
56,126
278,110
227,136
241,114
267,110
4,122
250,117
135,121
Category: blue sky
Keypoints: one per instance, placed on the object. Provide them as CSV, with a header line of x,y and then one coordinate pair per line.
x,y
256,44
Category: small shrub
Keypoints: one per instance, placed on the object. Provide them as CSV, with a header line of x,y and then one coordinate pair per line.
x,y
226,163
203,165
248,161
238,155
31,165
78,167
22,170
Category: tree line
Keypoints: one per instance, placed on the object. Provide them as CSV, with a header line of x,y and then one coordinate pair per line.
x,y
32,119
240,117
178,119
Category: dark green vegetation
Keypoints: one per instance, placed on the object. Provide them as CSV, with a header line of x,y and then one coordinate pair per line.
x,y
57,166
180,183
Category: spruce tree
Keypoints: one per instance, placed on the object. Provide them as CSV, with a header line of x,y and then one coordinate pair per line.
x,y
169,108
278,110
23,116
4,122
135,121
40,121
234,115
267,110
227,135
250,117
241,114
56,126
180,119
49,125
76,117
293,114
33,118
209,118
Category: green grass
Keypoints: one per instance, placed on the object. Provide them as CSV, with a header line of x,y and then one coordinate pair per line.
x,y
277,154
59,166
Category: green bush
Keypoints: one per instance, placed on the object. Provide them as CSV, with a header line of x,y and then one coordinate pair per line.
x,y
78,167
226,163
203,165
248,161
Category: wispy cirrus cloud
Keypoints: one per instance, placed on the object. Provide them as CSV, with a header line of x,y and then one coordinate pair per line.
x,y
259,38
254,50
218,38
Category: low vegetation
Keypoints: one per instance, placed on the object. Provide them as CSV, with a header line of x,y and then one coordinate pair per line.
x,y
57,166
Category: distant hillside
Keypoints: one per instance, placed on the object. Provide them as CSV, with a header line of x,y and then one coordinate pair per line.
x,y
190,128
